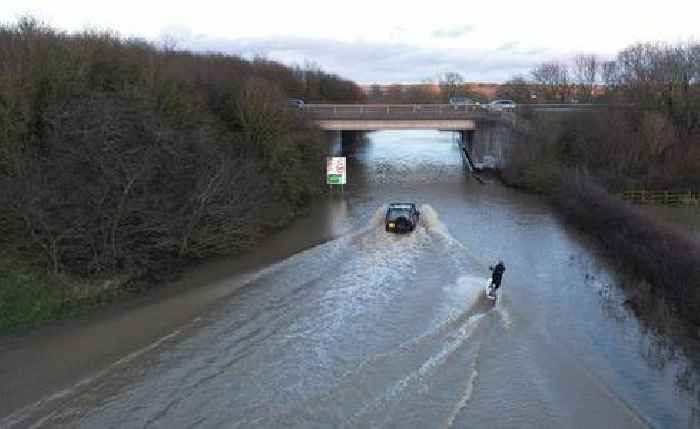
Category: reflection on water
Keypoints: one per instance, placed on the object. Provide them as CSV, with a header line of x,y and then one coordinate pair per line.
x,y
668,343
396,158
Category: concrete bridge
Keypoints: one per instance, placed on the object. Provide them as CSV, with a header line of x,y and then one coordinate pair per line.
x,y
481,133
366,117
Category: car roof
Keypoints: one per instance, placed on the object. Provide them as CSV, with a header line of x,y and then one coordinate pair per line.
x,y
402,205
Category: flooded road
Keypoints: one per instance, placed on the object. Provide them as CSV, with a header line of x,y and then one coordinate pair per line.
x,y
369,329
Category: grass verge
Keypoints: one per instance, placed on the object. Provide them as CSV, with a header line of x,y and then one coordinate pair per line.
x,y
30,296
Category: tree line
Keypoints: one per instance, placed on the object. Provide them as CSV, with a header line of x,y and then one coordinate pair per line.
x,y
120,157
646,133
658,76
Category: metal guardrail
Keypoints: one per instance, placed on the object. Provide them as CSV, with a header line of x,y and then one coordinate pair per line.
x,y
399,111
444,108
662,198
563,105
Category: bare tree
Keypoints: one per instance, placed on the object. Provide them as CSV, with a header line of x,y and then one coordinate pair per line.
x,y
553,80
451,84
395,94
376,94
419,94
608,73
586,71
517,89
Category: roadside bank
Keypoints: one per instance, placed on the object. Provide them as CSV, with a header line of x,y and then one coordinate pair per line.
x,y
638,243
57,355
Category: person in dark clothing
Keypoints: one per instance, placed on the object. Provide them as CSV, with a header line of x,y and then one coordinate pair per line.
x,y
497,276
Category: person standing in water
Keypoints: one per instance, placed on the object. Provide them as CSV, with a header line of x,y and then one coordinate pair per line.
x,y
496,277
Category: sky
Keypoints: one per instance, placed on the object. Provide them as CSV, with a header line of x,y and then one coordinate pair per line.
x,y
385,41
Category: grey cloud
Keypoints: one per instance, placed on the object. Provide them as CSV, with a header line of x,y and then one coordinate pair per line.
x,y
370,62
536,51
509,46
452,32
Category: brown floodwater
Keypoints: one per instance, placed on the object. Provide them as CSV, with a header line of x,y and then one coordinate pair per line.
x,y
336,323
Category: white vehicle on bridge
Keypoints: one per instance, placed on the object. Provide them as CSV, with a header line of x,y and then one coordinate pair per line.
x,y
501,105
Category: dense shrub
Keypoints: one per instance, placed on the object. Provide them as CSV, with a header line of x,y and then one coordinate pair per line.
x,y
117,157
666,258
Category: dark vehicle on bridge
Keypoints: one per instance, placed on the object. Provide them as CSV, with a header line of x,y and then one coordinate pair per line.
x,y
401,217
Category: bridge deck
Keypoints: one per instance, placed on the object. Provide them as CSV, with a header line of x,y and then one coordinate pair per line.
x,y
403,116
396,124
397,111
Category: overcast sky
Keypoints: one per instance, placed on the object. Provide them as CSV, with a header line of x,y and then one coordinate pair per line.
x,y
385,41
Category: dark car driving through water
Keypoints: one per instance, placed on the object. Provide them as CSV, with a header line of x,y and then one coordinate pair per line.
x,y
401,217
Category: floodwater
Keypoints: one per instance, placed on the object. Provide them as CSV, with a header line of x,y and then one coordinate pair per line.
x,y
369,329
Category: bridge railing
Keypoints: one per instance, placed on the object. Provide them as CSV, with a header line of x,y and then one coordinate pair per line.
x,y
666,198
398,111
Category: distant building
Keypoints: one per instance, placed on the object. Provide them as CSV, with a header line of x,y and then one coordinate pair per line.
x,y
484,90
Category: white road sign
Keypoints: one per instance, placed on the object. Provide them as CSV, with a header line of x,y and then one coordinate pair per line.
x,y
336,174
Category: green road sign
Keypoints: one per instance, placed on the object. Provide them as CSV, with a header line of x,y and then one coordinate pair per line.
x,y
334,179
335,170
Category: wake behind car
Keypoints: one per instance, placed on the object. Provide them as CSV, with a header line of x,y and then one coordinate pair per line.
x,y
401,217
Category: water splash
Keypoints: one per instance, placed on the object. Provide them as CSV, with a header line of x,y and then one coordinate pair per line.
x,y
378,217
431,221
504,314
467,289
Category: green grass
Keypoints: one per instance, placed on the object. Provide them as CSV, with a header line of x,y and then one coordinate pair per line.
x,y
31,297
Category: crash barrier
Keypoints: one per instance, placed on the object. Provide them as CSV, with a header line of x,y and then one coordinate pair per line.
x,y
400,111
661,198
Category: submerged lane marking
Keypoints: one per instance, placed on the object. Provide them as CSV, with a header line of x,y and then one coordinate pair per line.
x,y
27,411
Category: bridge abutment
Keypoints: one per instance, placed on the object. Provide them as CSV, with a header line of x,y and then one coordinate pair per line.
x,y
466,141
